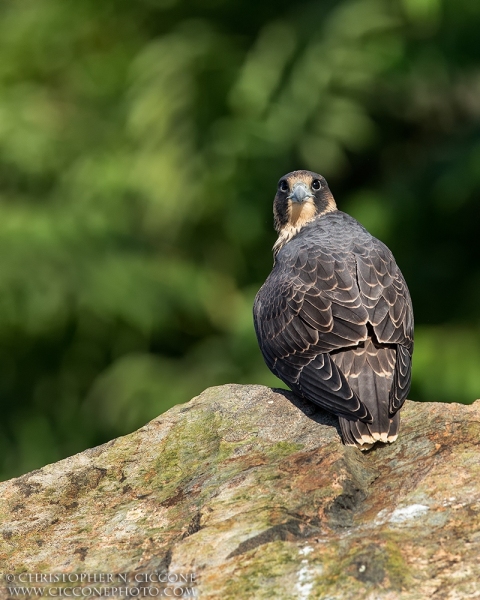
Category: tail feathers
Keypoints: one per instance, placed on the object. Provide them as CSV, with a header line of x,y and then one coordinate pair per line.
x,y
369,372
364,435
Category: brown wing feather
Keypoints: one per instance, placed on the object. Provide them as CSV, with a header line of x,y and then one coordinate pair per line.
x,y
308,307
386,298
319,301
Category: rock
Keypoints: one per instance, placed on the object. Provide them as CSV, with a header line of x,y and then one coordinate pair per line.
x,y
250,491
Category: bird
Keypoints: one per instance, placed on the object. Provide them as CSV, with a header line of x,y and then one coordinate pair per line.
x,y
334,318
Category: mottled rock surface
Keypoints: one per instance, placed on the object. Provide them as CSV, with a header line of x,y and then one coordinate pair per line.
x,y
252,490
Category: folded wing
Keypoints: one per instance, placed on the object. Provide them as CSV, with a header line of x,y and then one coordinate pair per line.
x,y
317,302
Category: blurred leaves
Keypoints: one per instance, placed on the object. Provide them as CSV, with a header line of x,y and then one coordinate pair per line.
x,y
140,146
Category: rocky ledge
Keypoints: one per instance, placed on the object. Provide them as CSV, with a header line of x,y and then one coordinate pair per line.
x,y
251,492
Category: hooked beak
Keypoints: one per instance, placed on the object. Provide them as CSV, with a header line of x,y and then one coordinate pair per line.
x,y
300,192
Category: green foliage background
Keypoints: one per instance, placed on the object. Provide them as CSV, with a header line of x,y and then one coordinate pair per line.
x,y
140,146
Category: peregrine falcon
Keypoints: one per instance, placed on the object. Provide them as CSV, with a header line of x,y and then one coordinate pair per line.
x,y
334,318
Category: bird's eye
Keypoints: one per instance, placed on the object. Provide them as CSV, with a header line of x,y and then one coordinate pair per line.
x,y
316,185
283,186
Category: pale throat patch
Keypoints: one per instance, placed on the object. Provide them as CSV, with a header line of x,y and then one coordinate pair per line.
x,y
299,214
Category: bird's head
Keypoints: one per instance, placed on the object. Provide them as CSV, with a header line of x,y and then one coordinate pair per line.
x,y
301,196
